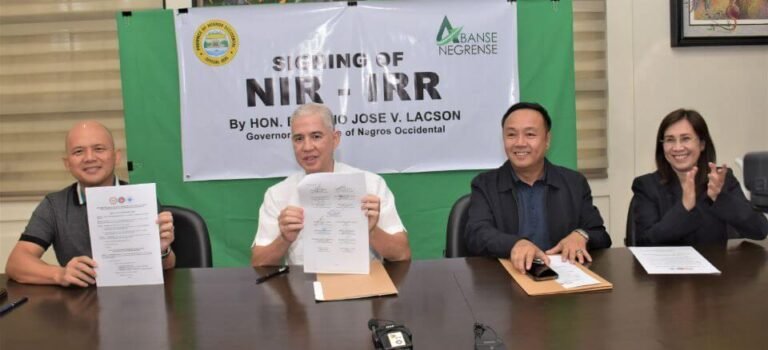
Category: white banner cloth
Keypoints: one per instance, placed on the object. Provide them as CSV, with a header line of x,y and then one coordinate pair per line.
x,y
414,86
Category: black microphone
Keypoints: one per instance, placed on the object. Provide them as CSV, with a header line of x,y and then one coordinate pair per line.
x,y
485,336
388,335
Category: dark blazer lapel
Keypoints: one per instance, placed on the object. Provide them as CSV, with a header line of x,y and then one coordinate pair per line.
x,y
558,208
671,191
507,217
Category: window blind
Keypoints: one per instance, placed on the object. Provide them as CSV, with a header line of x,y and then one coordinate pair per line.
x,y
58,64
591,87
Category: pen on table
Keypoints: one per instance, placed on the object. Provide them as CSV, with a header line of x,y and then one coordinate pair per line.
x,y
13,305
280,271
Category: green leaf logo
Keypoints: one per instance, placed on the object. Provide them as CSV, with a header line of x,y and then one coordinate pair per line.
x,y
452,35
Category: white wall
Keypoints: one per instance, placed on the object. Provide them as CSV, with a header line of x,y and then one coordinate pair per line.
x,y
647,79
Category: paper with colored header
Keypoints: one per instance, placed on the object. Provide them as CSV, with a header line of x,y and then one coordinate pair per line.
x,y
672,261
125,237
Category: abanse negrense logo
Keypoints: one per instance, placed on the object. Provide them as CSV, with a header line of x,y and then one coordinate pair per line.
x,y
451,41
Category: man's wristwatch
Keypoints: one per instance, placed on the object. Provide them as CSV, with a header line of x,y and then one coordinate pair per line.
x,y
582,233
167,252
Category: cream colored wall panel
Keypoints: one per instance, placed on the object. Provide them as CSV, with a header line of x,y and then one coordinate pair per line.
x,y
42,164
591,85
57,37
11,10
591,103
589,64
603,203
41,142
34,48
11,88
597,25
587,123
594,45
16,211
588,6
6,245
56,61
594,142
83,102
593,162
16,185
25,165
13,220
23,29
61,122
69,66
9,235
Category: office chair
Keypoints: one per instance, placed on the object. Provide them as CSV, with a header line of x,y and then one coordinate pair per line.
x,y
191,243
455,246
630,239
756,179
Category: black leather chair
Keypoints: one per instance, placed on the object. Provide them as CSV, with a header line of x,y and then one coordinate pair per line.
x,y
457,220
629,239
191,243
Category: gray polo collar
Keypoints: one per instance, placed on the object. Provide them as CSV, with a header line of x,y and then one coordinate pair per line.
x,y
81,191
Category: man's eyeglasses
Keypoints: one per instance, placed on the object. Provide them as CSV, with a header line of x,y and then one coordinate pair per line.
x,y
684,140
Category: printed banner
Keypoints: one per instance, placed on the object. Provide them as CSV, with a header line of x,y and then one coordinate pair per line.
x,y
414,86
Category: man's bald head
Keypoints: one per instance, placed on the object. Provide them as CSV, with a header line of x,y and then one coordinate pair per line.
x,y
90,154
87,126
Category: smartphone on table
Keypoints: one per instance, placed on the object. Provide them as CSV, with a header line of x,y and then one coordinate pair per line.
x,y
539,271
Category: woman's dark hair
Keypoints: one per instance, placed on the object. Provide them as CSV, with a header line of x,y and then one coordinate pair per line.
x,y
702,132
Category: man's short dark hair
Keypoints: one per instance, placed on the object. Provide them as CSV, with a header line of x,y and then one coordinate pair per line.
x,y
529,105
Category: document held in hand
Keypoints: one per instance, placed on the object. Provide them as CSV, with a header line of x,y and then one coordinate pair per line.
x,y
125,238
335,230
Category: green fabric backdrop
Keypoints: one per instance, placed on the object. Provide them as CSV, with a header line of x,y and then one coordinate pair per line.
x,y
150,79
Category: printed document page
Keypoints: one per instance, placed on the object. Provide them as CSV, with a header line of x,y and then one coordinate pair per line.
x,y
335,226
125,238
672,260
569,275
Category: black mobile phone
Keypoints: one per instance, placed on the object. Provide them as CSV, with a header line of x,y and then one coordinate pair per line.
x,y
541,272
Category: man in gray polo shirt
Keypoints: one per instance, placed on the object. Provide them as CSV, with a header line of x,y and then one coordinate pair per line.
x,y
61,218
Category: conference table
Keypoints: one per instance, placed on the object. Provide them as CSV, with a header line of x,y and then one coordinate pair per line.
x,y
438,300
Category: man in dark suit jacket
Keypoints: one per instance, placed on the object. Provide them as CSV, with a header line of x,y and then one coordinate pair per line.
x,y
529,207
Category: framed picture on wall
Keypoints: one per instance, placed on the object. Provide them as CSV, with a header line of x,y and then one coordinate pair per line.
x,y
719,22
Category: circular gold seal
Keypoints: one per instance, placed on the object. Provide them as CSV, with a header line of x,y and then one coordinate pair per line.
x,y
215,42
